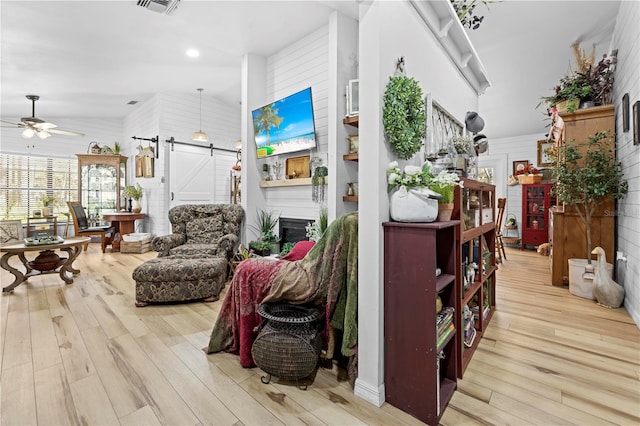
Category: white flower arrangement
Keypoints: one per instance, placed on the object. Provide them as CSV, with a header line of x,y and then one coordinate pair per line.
x,y
444,183
411,177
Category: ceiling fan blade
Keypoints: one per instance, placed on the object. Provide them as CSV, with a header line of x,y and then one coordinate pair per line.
x,y
11,124
64,132
34,126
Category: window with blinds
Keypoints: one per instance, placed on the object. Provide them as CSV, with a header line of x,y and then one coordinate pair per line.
x,y
25,180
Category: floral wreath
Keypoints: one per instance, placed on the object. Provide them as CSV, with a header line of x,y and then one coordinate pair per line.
x,y
403,116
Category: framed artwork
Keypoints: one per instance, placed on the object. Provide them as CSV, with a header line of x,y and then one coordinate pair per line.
x,y
519,166
353,97
298,167
625,113
636,123
10,231
543,157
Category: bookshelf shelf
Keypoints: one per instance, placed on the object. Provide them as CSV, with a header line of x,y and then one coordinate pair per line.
x,y
420,382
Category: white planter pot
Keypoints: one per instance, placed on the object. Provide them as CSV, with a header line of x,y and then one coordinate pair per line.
x,y
413,205
578,284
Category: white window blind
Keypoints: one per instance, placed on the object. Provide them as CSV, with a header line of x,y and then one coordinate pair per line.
x,y
26,179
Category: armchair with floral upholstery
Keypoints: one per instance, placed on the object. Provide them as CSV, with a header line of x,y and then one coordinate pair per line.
x,y
202,230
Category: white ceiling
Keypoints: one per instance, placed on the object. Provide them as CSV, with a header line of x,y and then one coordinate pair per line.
x,y
89,58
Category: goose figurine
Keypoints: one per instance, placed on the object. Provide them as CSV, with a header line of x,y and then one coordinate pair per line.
x,y
606,291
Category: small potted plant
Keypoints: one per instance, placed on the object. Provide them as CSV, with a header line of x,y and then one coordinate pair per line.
x,y
267,222
444,184
260,248
586,181
134,193
48,202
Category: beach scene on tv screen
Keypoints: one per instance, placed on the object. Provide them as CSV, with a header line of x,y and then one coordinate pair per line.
x,y
285,125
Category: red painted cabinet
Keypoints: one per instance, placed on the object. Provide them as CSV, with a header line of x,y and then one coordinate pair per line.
x,y
536,202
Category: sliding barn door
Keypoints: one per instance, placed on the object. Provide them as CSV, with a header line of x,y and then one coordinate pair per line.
x,y
198,176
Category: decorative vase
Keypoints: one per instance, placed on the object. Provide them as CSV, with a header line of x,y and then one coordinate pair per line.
x,y
137,208
444,211
414,205
581,278
46,211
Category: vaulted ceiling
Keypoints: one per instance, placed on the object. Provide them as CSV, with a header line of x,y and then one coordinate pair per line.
x,y
89,58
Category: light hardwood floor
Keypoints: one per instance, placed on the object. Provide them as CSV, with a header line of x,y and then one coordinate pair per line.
x,y
83,354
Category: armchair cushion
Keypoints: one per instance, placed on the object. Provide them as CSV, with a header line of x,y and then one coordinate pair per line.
x,y
204,229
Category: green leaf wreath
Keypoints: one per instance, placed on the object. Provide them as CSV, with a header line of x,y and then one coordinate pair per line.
x,y
403,116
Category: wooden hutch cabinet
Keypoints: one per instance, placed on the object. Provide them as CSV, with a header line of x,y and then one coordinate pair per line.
x,y
536,202
567,235
101,178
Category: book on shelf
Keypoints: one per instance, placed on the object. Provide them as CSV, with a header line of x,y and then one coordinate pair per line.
x,y
442,337
444,314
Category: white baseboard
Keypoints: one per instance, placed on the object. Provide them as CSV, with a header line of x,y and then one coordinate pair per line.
x,y
372,394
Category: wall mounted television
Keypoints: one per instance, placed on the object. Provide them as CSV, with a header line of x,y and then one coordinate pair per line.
x,y
284,126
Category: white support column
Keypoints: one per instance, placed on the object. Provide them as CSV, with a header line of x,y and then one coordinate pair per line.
x,y
343,52
373,201
254,71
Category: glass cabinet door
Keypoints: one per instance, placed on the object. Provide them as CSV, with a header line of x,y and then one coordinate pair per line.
x,y
101,178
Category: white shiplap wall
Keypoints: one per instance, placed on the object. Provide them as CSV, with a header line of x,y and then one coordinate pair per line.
x,y
177,115
300,65
627,80
517,148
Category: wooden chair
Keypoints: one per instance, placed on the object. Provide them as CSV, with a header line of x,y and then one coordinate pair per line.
x,y
82,228
500,253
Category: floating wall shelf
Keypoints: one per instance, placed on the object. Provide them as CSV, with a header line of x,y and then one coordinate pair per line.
x,y
287,182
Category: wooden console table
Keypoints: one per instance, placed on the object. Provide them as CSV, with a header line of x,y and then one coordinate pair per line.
x,y
73,246
123,221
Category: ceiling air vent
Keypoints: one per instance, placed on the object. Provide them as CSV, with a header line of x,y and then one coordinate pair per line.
x,y
161,6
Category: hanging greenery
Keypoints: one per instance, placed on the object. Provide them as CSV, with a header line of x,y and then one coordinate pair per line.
x,y
403,116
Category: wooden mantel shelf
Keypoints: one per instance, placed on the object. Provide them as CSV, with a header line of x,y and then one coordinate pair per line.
x,y
287,182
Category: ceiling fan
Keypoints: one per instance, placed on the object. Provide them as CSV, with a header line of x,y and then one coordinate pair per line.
x,y
35,126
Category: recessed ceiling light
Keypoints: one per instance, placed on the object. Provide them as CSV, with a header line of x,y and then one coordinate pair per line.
x,y
193,53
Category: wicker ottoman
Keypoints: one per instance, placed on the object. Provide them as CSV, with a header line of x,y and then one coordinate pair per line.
x,y
179,278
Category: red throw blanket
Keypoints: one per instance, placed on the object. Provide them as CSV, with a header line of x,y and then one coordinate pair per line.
x,y
326,277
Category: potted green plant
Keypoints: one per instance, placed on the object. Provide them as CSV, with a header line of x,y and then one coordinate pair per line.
x,y
260,248
444,183
48,201
315,230
586,181
267,222
572,90
134,193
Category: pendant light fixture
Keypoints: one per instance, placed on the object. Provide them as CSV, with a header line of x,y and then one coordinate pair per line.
x,y
200,136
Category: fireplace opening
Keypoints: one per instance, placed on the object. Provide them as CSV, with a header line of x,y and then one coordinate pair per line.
x,y
292,230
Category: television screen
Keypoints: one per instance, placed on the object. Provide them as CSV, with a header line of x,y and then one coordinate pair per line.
x,y
285,125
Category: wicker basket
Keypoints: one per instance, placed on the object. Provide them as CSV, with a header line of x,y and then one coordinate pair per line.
x,y
289,344
527,179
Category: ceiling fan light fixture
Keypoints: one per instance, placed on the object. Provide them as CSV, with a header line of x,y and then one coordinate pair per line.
x,y
200,136
43,134
28,133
